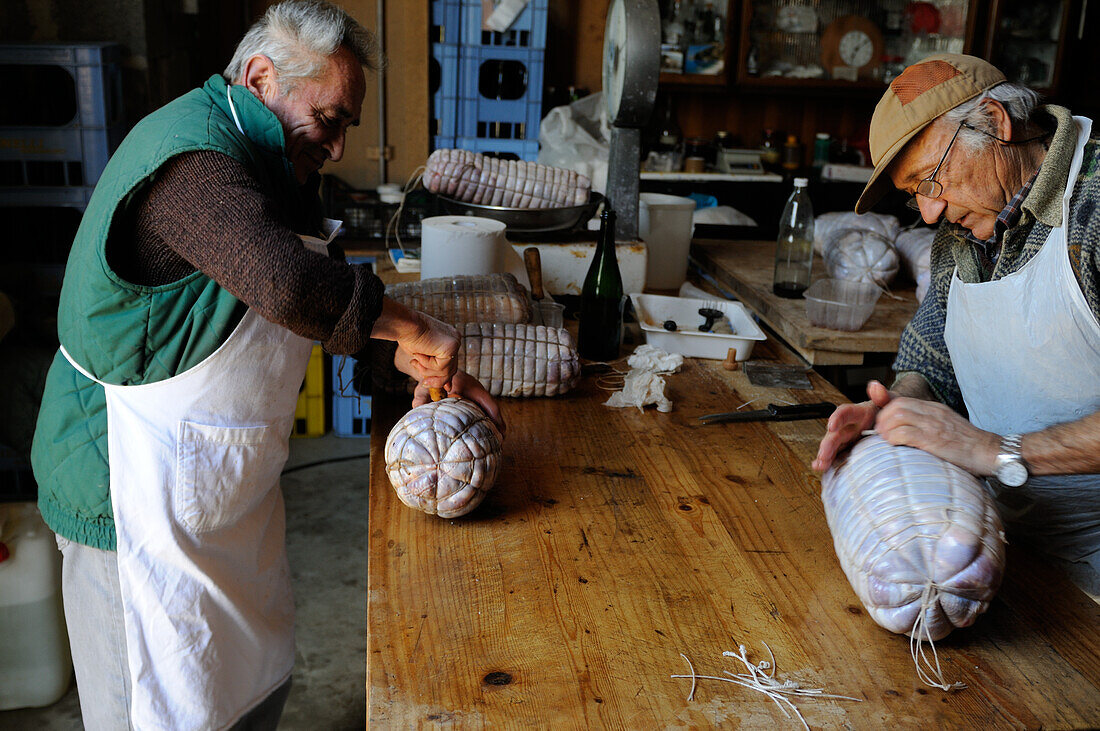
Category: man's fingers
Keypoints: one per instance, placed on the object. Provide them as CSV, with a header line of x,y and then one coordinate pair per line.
x,y
878,394
825,454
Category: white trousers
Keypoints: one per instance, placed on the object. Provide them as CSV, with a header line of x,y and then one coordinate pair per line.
x,y
93,614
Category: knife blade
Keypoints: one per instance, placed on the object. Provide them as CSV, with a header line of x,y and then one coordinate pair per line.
x,y
774,412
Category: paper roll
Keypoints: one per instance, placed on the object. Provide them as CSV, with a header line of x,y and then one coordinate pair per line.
x,y
451,245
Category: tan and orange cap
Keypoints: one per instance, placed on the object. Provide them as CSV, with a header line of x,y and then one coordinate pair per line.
x,y
920,94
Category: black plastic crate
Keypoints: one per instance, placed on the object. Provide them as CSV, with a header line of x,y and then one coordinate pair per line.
x,y
365,216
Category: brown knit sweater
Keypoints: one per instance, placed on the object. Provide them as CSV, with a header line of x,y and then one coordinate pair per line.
x,y
205,211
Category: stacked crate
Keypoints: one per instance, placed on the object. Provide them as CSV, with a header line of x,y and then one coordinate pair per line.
x,y
487,86
350,411
309,412
60,123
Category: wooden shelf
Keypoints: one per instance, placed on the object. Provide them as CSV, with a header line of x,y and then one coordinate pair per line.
x,y
693,81
780,83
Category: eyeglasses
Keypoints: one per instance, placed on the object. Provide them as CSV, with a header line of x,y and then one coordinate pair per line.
x,y
932,188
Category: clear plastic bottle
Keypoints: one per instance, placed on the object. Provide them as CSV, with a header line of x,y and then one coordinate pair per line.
x,y
794,248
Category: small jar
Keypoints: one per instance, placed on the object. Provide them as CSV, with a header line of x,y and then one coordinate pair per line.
x,y
696,150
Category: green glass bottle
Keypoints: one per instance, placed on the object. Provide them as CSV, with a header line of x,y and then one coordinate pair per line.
x,y
600,328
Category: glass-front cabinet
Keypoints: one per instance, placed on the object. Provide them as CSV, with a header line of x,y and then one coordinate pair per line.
x,y
847,42
861,44
1028,39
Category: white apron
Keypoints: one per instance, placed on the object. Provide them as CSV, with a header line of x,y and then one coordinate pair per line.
x,y
1026,354
194,468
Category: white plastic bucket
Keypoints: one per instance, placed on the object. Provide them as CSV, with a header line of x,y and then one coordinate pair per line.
x,y
35,665
665,225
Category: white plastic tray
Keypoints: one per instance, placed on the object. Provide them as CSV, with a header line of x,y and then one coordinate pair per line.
x,y
654,309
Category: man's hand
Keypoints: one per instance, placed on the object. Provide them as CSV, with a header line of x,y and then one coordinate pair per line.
x,y
465,386
848,422
432,350
426,347
938,430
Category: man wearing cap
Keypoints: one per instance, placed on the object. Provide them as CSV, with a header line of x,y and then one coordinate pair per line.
x,y
999,370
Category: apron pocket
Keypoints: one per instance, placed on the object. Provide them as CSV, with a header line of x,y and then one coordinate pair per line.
x,y
222,472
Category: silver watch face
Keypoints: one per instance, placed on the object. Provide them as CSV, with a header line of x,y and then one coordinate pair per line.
x,y
1011,472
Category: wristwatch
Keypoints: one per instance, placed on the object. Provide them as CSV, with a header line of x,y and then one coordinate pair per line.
x,y
1011,469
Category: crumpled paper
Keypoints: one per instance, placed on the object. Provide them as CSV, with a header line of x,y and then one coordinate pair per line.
x,y
644,384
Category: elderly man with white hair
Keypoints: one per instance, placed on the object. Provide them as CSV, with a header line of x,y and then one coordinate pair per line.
x,y
197,284
999,370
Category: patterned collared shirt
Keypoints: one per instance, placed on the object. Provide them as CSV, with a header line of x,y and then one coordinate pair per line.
x,y
1006,219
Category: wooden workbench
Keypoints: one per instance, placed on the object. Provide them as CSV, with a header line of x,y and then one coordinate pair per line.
x,y
745,269
615,540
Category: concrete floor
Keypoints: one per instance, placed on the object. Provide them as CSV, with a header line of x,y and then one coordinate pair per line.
x,y
326,506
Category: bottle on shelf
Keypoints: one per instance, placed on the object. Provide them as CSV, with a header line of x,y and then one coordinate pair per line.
x,y
822,143
794,248
672,26
688,23
600,326
704,23
769,152
792,154
666,151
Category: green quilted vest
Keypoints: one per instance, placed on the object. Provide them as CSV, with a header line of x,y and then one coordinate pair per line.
x,y
129,334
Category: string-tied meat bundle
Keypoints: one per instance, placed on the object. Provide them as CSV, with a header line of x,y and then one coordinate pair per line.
x,y
920,541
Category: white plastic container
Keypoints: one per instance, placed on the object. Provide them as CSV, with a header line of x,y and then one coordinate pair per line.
x,y
35,664
839,304
654,309
665,224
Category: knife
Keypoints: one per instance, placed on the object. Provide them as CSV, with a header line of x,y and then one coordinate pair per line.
x,y
774,412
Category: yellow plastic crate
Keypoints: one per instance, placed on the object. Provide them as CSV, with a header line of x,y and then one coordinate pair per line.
x,y
309,414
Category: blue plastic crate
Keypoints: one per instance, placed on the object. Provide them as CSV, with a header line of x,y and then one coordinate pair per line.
x,y
361,259
350,411
444,111
446,22
527,31
84,77
520,149
500,93
443,143
56,156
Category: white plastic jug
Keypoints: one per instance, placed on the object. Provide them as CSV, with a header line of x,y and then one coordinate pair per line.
x,y
665,225
35,664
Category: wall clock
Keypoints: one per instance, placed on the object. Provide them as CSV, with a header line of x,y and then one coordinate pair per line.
x,y
851,47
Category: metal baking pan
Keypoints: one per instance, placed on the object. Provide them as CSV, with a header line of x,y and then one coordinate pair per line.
x,y
529,220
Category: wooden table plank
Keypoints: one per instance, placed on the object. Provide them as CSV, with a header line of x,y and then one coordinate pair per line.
x,y
745,269
617,539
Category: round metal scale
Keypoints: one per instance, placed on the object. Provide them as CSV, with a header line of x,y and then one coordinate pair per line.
x,y
631,67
